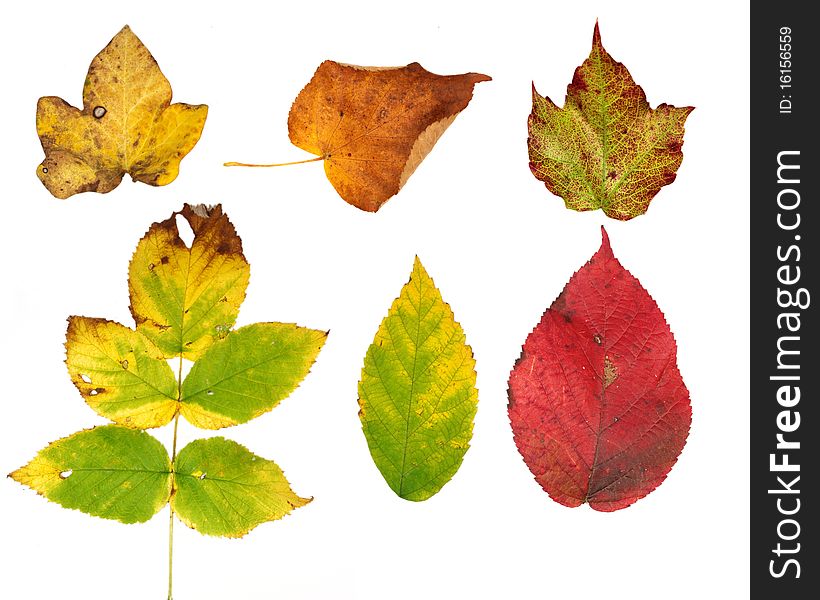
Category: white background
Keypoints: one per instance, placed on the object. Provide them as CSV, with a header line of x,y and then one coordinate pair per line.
x,y
499,246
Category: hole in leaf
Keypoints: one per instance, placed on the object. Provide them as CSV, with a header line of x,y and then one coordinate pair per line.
x,y
175,366
124,364
99,112
210,392
186,234
201,477
93,392
85,378
66,474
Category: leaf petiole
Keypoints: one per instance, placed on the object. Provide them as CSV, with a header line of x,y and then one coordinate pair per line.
x,y
285,164
170,505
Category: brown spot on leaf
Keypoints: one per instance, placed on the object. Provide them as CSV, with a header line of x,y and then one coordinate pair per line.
x,y
560,307
610,372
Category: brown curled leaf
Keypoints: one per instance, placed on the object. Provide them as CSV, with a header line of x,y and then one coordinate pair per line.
x,y
372,126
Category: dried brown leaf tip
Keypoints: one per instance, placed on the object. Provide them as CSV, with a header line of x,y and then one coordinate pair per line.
x,y
372,126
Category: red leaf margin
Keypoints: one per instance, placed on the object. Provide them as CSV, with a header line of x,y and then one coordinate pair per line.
x,y
598,408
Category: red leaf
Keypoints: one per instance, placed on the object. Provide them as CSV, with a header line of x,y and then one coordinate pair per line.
x,y
597,404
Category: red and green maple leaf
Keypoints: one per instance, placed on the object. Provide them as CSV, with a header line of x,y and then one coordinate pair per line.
x,y
606,148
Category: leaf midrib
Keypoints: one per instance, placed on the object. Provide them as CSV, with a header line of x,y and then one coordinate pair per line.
x,y
112,470
593,467
603,116
406,440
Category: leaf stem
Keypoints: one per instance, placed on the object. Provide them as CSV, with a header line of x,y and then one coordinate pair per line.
x,y
171,556
171,506
285,164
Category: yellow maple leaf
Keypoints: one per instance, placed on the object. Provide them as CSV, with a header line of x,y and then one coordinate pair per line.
x,y
127,125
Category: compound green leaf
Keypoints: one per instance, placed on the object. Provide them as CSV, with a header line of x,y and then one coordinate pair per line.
x,y
606,148
120,373
183,299
248,372
110,471
417,395
223,489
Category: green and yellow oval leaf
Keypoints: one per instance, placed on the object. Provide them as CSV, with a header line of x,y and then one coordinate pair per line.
x,y
606,148
110,471
248,372
417,395
183,299
120,373
223,489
